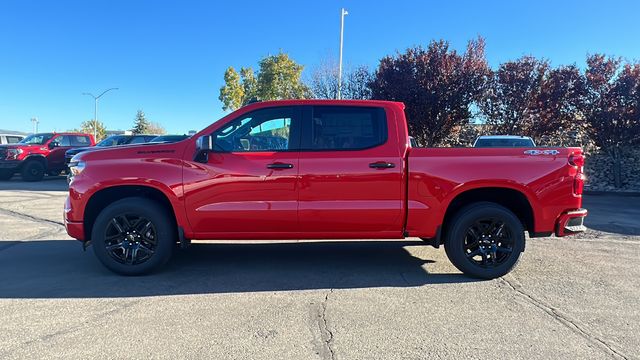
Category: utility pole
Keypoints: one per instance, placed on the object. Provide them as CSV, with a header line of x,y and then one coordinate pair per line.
x,y
95,111
34,122
343,12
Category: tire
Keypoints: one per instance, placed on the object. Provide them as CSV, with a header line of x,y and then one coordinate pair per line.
x,y
6,174
485,240
32,171
123,247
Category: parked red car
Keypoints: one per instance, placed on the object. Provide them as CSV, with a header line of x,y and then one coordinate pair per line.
x,y
314,169
39,154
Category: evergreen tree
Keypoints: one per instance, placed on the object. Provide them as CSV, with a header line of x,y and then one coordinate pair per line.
x,y
141,124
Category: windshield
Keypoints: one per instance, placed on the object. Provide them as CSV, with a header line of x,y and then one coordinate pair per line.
x,y
114,140
36,139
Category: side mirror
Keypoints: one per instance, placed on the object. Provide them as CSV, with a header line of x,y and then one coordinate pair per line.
x,y
53,145
204,145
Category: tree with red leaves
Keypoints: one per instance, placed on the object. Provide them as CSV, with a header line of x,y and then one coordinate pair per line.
x,y
510,105
437,85
529,97
612,106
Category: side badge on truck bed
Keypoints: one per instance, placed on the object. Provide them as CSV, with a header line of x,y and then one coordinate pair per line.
x,y
541,152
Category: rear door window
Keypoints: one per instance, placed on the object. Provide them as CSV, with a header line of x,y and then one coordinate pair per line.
x,y
138,140
63,140
345,128
80,140
13,139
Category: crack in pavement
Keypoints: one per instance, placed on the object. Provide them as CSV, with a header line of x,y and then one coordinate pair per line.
x,y
75,328
326,335
562,318
30,217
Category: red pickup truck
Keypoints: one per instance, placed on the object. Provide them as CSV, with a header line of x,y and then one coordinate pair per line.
x,y
318,169
39,154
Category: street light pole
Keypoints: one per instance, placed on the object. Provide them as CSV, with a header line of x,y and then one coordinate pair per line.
x,y
35,122
343,12
95,111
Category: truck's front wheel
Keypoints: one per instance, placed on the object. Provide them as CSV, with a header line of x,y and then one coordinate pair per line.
x,y
33,170
133,236
485,240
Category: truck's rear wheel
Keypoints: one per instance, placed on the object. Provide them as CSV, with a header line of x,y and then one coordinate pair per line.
x,y
33,170
485,240
133,236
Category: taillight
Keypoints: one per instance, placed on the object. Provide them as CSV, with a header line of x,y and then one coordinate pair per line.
x,y
578,184
576,160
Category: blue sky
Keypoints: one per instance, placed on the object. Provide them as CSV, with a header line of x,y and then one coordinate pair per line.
x,y
168,58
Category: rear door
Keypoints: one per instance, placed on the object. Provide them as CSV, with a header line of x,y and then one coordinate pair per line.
x,y
351,172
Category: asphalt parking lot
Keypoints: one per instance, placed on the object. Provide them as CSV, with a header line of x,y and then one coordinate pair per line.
x,y
574,297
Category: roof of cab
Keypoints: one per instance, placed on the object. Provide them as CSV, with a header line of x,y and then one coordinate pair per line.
x,y
300,102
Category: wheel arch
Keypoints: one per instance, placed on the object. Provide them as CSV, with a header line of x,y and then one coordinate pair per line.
x,y
106,196
35,157
513,199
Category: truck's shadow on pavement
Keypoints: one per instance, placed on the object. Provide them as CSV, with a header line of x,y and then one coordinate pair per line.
x,y
59,269
49,183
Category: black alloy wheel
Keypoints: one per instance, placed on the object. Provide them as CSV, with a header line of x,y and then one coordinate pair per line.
x,y
130,239
33,170
134,236
484,240
488,242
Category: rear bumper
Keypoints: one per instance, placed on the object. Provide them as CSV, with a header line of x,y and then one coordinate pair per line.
x,y
571,222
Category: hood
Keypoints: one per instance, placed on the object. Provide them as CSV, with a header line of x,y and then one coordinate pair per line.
x,y
21,146
131,151
81,149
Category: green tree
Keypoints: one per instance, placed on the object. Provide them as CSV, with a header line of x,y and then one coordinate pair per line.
x,y
87,128
141,124
279,77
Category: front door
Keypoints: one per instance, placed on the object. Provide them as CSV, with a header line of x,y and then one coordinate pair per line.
x,y
55,158
249,184
351,173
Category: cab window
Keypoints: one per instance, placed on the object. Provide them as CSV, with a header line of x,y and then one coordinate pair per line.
x,y
80,140
62,140
271,129
346,128
138,140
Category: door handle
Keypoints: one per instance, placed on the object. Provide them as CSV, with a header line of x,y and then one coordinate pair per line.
x,y
382,165
279,166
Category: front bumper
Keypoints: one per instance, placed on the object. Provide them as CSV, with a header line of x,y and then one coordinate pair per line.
x,y
571,222
75,229
10,164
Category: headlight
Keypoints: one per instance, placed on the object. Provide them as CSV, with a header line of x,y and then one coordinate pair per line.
x,y
76,167
12,154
